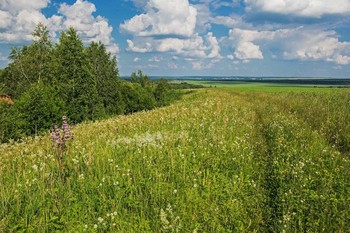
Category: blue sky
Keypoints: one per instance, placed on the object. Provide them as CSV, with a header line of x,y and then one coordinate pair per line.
x,y
303,38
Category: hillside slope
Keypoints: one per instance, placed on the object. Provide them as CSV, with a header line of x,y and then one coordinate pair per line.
x,y
216,161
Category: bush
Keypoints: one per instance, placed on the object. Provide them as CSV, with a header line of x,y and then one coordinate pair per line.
x,y
137,98
39,108
10,122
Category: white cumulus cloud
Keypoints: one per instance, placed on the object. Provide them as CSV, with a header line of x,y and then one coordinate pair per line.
x,y
244,42
5,19
247,50
15,6
90,28
316,45
19,18
176,17
213,46
195,46
171,27
304,8
298,43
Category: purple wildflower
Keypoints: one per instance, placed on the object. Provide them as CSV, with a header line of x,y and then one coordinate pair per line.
x,y
60,139
58,135
66,129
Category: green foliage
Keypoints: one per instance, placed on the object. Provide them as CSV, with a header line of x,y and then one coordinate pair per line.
x,y
47,80
2,84
77,84
136,97
39,108
104,68
11,123
162,92
30,64
140,78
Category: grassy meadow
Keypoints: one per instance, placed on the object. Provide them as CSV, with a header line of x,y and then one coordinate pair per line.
x,y
219,160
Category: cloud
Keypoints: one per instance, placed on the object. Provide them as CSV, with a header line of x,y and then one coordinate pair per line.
x,y
197,65
172,27
316,45
216,4
136,59
195,46
247,50
3,58
172,65
177,18
303,8
5,19
139,3
16,6
243,40
146,47
228,21
204,16
90,28
19,18
213,46
156,59
230,57
306,44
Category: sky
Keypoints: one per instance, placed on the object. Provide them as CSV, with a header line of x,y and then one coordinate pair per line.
x,y
264,38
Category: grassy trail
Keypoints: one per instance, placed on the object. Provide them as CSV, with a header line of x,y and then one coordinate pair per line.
x,y
216,161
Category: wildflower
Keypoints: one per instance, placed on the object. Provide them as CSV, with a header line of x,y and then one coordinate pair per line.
x,y
59,139
81,177
35,167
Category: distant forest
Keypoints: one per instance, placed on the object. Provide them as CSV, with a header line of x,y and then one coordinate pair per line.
x,y
45,81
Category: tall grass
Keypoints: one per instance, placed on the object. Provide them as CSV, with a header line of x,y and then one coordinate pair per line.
x,y
216,161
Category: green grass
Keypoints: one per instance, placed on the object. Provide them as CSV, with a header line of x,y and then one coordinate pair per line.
x,y
261,86
219,160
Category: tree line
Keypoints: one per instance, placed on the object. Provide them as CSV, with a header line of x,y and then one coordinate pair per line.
x,y
47,80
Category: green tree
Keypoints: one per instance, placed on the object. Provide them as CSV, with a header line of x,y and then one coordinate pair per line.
x,y
140,78
136,97
29,65
43,55
144,80
162,92
105,71
2,84
76,82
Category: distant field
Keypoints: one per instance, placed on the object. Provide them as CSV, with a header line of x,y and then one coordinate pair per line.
x,y
273,84
219,160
